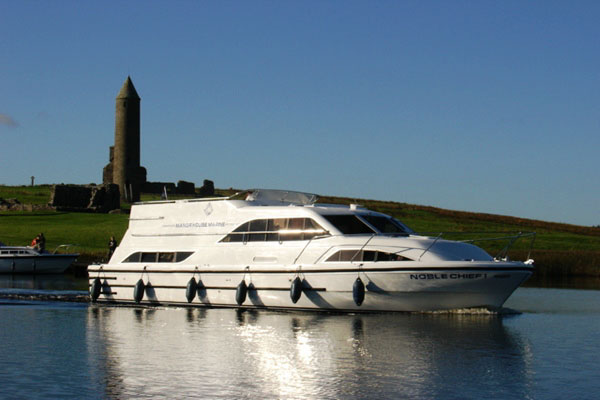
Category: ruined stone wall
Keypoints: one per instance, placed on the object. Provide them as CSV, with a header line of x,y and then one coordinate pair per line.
x,y
182,187
91,198
16,205
159,187
207,189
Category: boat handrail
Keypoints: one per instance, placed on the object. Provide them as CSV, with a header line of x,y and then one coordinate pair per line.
x,y
62,246
512,237
431,245
265,196
192,200
302,251
362,248
307,244
405,248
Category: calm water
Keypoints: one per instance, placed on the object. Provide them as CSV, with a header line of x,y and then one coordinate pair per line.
x,y
72,350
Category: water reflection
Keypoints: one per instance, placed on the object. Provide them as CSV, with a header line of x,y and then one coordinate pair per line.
x,y
43,282
230,353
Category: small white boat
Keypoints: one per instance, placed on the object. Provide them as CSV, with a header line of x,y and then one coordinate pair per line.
x,y
278,249
27,260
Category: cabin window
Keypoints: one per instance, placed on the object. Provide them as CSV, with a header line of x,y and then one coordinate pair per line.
x,y
349,224
240,233
161,257
243,227
294,229
182,255
135,257
368,255
274,226
149,257
166,257
349,255
312,229
277,229
259,227
365,255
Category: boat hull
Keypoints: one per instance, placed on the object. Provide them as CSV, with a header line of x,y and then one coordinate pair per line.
x,y
37,264
416,288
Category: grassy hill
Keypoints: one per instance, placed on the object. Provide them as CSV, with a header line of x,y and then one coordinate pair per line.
x,y
560,249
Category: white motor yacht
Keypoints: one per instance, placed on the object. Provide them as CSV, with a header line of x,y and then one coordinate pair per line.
x,y
280,249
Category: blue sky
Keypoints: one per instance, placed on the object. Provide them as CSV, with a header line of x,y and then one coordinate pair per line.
x,y
487,106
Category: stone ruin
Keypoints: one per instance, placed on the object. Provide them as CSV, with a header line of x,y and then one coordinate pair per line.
x,y
102,198
10,205
182,187
207,189
89,198
105,198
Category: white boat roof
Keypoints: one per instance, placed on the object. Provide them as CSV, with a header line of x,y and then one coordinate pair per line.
x,y
270,196
277,199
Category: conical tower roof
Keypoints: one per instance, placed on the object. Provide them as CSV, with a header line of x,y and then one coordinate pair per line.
x,y
128,91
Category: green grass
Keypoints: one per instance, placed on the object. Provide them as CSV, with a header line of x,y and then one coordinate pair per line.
x,y
559,248
27,194
89,233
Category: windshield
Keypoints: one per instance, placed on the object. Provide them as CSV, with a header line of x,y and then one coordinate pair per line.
x,y
349,224
386,225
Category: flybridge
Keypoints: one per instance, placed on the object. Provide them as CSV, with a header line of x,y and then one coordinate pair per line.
x,y
260,196
269,196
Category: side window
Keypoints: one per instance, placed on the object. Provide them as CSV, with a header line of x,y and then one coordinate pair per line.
x,y
166,257
369,255
277,229
274,226
381,256
334,257
238,234
242,228
149,257
163,257
366,255
259,226
294,229
135,257
182,255
348,255
312,229
345,256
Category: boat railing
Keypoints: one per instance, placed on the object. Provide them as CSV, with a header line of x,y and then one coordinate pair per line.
x,y
509,237
62,247
431,245
363,247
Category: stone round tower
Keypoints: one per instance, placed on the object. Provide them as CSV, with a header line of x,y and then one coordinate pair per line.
x,y
124,168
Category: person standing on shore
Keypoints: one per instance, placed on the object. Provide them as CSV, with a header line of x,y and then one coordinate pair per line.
x,y
112,245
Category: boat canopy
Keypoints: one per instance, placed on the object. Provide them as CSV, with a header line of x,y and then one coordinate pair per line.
x,y
269,196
